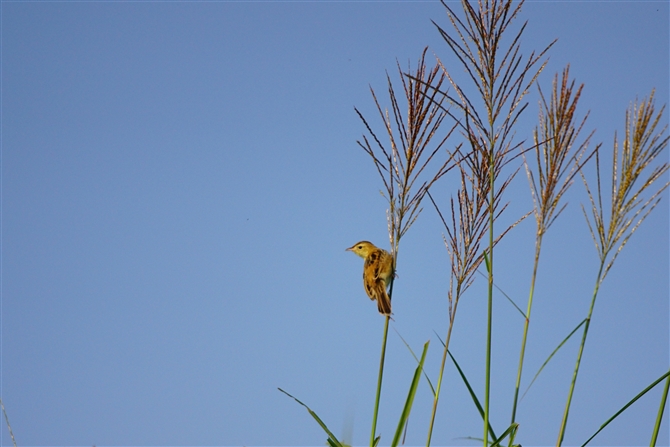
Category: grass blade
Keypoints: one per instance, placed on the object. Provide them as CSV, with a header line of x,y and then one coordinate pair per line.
x,y
552,354
410,397
430,384
472,393
510,431
506,296
486,261
631,402
332,440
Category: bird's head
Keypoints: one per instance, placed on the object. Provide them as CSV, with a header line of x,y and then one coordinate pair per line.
x,y
362,248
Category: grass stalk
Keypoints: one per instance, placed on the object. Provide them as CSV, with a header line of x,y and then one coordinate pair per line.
x,y
564,421
661,408
555,151
538,246
7,420
402,165
502,77
379,382
642,144
468,227
489,320
441,374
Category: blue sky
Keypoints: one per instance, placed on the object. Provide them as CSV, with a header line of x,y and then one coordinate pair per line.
x,y
180,181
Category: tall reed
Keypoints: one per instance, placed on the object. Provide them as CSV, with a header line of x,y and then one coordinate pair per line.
x,y
634,171
467,229
402,166
489,50
558,158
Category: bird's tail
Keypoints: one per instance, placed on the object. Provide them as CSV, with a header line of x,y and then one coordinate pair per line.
x,y
383,302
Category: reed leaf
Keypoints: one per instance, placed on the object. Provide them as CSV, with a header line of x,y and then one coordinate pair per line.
x,y
511,431
404,416
332,439
473,395
560,345
628,404
430,384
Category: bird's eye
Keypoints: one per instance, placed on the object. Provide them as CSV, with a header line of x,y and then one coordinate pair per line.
x,y
360,247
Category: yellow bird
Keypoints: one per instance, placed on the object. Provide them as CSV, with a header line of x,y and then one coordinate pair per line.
x,y
377,273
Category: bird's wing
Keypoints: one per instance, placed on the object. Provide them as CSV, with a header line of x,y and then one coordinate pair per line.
x,y
370,274
373,264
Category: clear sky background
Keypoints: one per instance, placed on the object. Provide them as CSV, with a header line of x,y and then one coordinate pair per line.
x,y
180,181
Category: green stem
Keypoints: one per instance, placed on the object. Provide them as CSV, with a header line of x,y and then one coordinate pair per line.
x,y
487,388
444,359
538,245
379,382
383,354
7,420
564,422
489,322
659,418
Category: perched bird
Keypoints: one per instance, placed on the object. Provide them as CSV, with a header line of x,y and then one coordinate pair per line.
x,y
377,273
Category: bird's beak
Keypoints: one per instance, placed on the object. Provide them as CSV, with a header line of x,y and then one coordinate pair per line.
x,y
349,249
